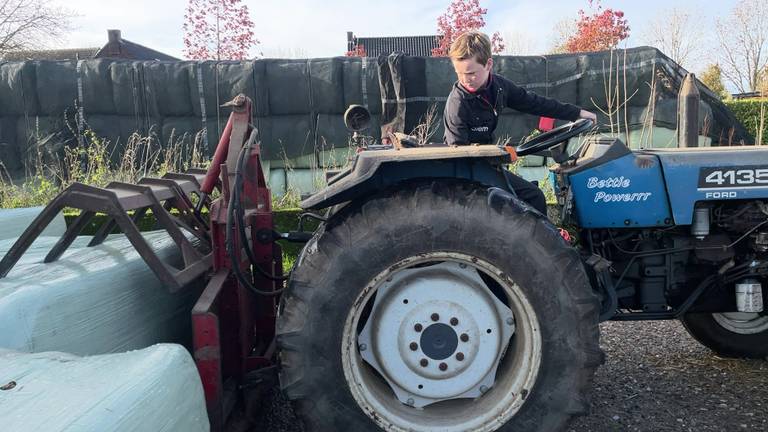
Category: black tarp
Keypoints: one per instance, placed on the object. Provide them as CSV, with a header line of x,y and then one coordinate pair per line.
x,y
633,85
298,103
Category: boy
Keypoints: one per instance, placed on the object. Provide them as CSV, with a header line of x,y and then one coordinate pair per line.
x,y
476,100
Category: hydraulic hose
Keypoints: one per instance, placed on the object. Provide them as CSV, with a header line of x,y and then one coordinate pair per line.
x,y
233,210
240,214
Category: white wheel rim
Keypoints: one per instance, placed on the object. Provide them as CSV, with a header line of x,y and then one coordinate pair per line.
x,y
468,395
742,322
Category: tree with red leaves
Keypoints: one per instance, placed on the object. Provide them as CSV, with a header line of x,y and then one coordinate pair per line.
x,y
461,17
358,51
601,29
218,30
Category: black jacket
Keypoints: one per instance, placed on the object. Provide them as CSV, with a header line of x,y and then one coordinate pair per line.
x,y
472,118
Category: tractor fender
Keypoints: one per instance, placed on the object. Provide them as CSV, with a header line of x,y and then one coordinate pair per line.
x,y
374,171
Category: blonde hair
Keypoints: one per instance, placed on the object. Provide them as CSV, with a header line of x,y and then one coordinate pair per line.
x,y
472,44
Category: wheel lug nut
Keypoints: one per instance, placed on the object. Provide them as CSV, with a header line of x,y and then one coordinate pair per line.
x,y
454,321
423,362
435,317
443,366
460,356
414,346
417,327
464,337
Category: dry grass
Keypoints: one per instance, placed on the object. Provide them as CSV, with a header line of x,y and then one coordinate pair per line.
x,y
428,125
53,167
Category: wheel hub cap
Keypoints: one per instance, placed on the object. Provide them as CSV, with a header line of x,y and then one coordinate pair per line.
x,y
436,333
439,341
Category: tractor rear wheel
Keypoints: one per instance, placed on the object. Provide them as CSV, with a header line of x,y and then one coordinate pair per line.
x,y
730,334
438,307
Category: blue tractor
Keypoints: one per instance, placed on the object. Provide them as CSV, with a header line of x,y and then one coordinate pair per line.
x,y
432,298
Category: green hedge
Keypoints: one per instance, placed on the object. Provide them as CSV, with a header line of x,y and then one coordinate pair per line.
x,y
747,111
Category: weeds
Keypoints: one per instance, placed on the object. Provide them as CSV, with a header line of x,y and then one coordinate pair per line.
x,y
53,168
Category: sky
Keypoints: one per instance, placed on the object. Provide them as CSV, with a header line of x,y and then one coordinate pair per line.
x,y
318,28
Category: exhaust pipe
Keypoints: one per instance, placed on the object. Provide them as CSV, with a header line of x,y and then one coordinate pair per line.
x,y
688,113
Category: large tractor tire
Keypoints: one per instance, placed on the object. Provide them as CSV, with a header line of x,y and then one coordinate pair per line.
x,y
440,307
730,334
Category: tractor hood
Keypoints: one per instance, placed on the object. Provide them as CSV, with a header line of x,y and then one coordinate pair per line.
x,y
712,173
660,187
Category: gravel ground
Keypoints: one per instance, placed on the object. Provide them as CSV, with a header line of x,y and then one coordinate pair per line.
x,y
655,378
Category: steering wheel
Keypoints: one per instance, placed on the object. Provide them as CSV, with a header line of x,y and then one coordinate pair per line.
x,y
555,136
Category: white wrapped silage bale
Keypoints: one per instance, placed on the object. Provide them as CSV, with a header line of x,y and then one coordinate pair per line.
x,y
13,222
92,300
154,389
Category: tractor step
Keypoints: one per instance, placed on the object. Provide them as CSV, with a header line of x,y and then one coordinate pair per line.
x,y
159,196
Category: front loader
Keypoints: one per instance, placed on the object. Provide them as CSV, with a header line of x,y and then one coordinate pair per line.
x,y
233,248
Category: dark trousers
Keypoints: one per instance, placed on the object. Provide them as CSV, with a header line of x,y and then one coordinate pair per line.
x,y
527,192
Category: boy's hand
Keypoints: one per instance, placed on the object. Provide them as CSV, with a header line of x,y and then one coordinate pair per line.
x,y
584,114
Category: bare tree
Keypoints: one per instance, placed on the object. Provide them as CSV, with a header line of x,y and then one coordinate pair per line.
x,y
286,52
561,32
517,43
31,24
677,33
742,39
